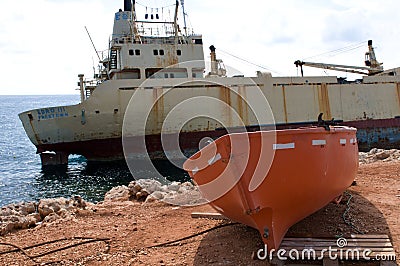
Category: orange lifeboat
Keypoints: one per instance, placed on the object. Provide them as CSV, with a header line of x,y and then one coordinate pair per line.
x,y
270,180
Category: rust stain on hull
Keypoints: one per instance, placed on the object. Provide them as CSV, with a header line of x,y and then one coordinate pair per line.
x,y
323,98
168,59
225,96
33,129
243,108
156,118
284,104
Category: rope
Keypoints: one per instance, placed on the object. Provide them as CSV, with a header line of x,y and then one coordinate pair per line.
x,y
106,240
191,236
248,61
23,250
30,247
339,51
18,248
347,221
155,7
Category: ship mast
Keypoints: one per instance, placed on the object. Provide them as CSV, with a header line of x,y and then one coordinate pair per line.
x,y
134,25
371,61
184,17
176,21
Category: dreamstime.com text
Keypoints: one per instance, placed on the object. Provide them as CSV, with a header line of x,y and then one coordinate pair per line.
x,y
333,253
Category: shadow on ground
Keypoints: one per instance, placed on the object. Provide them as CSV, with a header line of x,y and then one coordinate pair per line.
x,y
235,245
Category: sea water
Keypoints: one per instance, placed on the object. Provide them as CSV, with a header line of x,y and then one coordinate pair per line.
x,y
21,174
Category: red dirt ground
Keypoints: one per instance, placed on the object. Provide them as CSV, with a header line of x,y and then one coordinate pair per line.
x,y
132,226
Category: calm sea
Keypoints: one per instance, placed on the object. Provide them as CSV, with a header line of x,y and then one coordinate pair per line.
x,y
21,175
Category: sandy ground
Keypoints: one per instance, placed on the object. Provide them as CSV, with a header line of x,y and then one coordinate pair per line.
x,y
131,227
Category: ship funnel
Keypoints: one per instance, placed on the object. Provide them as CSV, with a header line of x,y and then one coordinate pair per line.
x,y
217,66
127,5
214,63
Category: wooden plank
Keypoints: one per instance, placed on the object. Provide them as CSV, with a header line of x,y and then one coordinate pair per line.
x,y
388,263
383,254
365,240
277,262
308,239
379,245
319,248
333,244
300,264
208,215
343,256
329,262
371,236
334,240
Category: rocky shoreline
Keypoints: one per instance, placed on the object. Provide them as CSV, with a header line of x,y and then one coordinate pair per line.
x,y
376,155
32,214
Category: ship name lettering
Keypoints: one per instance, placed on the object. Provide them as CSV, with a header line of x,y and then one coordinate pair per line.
x,y
51,113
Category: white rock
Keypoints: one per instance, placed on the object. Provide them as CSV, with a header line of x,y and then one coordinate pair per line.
x,y
28,214
174,186
120,193
158,194
134,188
150,199
375,155
47,206
382,155
150,185
142,195
52,217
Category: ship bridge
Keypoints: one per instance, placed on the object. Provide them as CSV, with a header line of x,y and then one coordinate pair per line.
x,y
153,48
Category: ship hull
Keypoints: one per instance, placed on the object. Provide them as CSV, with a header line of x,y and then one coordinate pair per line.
x,y
310,168
95,128
383,133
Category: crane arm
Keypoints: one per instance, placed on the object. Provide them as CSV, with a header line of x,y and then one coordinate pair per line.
x,y
343,68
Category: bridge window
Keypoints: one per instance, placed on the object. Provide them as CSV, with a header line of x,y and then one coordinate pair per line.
x,y
179,52
155,52
197,72
161,52
177,72
134,52
152,72
133,73
159,73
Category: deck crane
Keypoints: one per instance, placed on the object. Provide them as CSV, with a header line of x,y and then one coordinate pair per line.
x,y
372,66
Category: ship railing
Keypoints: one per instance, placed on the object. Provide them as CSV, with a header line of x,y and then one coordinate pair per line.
x,y
150,35
90,85
144,40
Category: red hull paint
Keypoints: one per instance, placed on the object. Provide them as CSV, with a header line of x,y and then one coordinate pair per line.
x,y
383,133
112,149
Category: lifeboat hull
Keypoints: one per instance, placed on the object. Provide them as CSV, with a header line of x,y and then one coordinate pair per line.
x,y
270,180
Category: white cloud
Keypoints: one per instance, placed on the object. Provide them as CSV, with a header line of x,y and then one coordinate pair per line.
x,y
43,43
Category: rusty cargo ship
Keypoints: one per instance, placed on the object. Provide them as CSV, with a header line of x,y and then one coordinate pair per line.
x,y
154,67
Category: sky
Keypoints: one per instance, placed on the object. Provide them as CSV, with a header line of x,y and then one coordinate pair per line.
x,y
44,44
